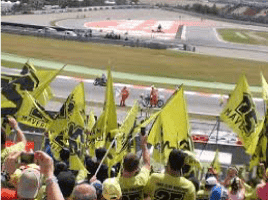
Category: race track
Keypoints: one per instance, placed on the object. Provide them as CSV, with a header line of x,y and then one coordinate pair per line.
x,y
198,32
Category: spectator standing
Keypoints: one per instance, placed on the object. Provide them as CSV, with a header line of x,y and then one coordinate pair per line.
x,y
171,184
231,173
237,189
124,96
84,191
28,181
134,179
217,191
111,189
66,181
92,165
262,188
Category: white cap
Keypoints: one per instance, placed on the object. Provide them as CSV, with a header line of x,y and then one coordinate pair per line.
x,y
211,181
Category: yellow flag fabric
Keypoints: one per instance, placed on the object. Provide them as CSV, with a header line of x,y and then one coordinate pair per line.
x,y
146,122
77,164
240,114
8,99
67,130
28,66
43,93
5,80
264,88
126,127
32,81
260,151
108,119
124,135
91,121
216,162
5,103
171,127
192,160
32,113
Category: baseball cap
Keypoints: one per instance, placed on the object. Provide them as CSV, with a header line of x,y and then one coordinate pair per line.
x,y
98,186
211,181
29,183
111,189
233,167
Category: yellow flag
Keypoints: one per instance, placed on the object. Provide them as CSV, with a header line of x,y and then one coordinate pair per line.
x,y
240,114
5,80
146,122
68,127
6,103
108,119
264,88
43,92
91,121
77,164
124,135
191,159
32,113
127,126
171,127
216,162
28,66
10,99
31,80
260,151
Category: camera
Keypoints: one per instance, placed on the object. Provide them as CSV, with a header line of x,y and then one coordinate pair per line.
x,y
27,158
3,179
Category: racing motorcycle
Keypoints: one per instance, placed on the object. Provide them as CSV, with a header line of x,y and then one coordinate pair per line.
x,y
99,81
145,100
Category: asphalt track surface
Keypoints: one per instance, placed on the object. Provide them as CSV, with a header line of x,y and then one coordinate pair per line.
x,y
198,32
199,103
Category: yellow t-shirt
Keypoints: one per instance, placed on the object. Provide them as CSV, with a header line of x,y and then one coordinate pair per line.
x,y
251,192
20,146
164,186
202,194
132,188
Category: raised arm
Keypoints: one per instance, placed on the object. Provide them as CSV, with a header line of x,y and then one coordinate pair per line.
x,y
47,169
145,152
14,124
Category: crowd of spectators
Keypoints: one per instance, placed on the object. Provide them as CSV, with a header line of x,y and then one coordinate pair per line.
x,y
46,178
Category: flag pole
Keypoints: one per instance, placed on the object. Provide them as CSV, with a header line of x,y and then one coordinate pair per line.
x,y
106,154
264,107
218,129
208,139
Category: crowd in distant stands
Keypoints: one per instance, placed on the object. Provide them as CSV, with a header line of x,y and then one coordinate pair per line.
x,y
47,178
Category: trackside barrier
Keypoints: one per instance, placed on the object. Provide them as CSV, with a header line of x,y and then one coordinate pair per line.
x,y
94,8
59,34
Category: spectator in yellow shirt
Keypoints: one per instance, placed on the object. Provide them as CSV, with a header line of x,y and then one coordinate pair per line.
x,y
171,184
134,179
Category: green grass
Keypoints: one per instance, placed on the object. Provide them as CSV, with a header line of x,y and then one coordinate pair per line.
x,y
135,60
263,34
251,37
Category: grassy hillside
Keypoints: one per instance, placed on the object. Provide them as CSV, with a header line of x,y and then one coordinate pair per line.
x,y
136,60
